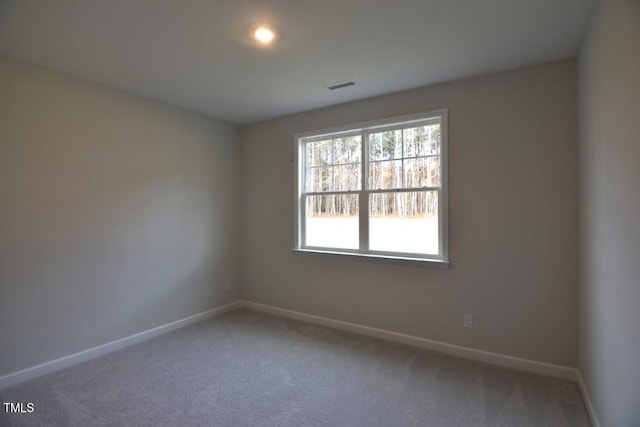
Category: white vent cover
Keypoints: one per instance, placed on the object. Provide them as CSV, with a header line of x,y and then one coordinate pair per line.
x,y
340,85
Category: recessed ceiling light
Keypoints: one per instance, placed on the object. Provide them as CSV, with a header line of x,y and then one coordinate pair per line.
x,y
264,35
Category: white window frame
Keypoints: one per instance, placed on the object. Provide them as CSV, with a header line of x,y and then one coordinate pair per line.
x,y
364,129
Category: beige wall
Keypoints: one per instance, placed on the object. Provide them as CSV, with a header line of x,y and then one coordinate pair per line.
x,y
609,70
513,220
117,214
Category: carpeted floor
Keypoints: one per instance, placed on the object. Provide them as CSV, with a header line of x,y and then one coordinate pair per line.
x,y
250,369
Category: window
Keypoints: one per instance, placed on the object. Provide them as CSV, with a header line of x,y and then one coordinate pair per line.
x,y
376,189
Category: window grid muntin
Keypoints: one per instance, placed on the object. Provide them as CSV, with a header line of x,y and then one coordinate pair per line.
x,y
332,164
402,127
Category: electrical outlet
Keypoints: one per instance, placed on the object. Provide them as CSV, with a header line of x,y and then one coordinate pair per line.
x,y
227,286
467,321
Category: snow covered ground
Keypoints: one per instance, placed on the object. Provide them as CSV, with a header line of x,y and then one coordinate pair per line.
x,y
395,234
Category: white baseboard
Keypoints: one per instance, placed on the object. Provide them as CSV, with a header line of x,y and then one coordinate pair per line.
x,y
72,359
591,410
547,369
556,371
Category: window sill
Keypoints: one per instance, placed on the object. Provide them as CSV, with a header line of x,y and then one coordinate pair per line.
x,y
431,263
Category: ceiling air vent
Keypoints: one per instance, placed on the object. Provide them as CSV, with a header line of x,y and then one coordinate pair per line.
x,y
340,85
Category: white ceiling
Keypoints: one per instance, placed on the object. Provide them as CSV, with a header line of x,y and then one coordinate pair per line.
x,y
197,54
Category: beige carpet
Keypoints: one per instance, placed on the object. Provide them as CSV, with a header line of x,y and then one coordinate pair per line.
x,y
250,369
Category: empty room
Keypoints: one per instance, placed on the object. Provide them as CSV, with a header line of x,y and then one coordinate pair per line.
x,y
320,213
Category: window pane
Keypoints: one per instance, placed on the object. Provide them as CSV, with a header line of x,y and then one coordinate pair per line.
x,y
347,149
404,222
332,221
422,172
347,177
384,175
319,153
422,140
319,179
385,145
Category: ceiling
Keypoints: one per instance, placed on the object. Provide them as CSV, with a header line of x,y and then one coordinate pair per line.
x,y
198,54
